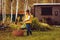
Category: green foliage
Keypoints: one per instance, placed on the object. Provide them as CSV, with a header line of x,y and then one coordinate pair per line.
x,y
35,21
14,26
39,25
34,24
17,26
23,26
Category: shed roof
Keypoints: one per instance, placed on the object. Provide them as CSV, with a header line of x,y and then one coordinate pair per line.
x,y
46,4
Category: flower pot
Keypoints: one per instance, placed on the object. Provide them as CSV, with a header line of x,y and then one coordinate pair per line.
x,y
18,32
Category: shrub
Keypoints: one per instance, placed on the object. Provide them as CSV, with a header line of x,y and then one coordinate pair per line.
x,y
14,26
36,25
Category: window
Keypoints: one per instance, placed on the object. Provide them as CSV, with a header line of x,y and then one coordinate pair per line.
x,y
46,10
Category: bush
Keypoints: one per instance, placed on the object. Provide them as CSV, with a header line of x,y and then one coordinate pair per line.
x,y
14,26
36,25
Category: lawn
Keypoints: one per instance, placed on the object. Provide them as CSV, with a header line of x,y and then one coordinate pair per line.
x,y
37,35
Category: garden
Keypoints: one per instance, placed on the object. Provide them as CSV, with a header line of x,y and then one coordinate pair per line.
x,y
40,30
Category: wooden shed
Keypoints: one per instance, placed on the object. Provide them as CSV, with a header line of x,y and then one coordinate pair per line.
x,y
50,12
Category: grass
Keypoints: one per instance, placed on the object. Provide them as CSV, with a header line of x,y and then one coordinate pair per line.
x,y
37,35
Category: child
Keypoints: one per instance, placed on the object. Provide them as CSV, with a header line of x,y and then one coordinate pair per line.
x,y
28,22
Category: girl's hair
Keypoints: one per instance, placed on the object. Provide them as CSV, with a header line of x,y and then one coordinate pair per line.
x,y
27,11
